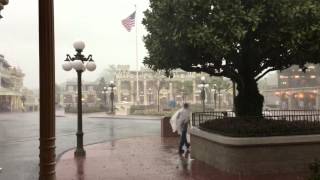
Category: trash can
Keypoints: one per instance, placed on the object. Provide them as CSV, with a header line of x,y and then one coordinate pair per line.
x,y
166,130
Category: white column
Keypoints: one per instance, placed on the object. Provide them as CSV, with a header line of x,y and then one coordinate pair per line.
x,y
119,91
132,91
194,85
145,95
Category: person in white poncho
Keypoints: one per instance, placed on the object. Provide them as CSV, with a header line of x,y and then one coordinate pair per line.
x,y
179,122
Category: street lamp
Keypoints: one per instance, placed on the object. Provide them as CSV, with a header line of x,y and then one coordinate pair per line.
x,y
111,88
202,86
105,92
79,63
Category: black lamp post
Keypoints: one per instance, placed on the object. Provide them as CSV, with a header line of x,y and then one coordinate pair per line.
x,y
79,63
202,86
112,87
105,92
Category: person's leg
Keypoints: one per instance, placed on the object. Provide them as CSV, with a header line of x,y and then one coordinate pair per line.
x,y
181,143
183,140
187,143
186,140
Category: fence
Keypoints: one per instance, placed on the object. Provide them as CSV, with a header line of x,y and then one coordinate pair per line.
x,y
307,116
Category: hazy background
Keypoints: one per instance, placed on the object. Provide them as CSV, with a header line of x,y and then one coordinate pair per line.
x,y
96,22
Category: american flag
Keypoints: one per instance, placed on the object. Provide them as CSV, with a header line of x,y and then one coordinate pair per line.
x,y
129,22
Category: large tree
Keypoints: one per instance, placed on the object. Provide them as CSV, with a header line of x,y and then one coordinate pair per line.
x,y
239,39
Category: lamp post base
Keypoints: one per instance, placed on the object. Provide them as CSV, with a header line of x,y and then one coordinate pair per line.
x,y
79,152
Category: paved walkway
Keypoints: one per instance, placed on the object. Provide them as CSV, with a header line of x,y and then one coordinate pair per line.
x,y
147,158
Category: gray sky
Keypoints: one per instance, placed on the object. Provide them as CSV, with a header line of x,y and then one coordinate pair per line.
x,y
97,23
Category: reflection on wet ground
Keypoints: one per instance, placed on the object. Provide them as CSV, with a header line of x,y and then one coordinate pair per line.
x,y
19,137
146,158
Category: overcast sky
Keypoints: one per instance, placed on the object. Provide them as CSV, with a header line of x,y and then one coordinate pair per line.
x,y
97,22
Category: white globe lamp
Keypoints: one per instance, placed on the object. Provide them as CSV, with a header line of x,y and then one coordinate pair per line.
x,y
78,65
91,66
67,66
79,45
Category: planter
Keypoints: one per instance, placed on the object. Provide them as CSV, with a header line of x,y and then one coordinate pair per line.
x,y
166,130
255,155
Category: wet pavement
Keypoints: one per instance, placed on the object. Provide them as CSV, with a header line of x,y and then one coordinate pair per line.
x,y
146,158
19,138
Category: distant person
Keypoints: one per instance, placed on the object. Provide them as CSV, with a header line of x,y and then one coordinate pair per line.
x,y
180,122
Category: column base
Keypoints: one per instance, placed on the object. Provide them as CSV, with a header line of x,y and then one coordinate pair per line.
x,y
79,152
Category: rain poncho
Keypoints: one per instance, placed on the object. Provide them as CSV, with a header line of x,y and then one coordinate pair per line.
x,y
178,118
174,121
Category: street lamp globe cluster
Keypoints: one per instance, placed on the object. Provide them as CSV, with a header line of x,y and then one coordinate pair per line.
x,y
79,63
202,86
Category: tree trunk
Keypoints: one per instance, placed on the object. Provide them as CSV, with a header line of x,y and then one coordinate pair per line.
x,y
248,102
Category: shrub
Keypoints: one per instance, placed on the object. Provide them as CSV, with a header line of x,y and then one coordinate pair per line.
x,y
315,170
85,109
242,127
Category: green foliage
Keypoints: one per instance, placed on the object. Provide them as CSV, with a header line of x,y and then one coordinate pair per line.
x,y
109,73
100,88
85,109
149,110
239,39
252,36
153,113
259,127
315,170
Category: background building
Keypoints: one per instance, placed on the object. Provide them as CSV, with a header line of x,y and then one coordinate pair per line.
x,y
154,86
295,89
11,84
70,95
30,99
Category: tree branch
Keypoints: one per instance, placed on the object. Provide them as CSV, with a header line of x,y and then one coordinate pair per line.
x,y
263,74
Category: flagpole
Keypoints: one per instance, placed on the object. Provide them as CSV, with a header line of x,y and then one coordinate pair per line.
x,y
137,63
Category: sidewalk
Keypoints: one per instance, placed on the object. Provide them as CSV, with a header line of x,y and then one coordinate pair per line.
x,y
61,113
147,158
108,116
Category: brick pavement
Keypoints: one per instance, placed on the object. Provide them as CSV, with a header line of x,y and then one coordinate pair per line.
x,y
146,158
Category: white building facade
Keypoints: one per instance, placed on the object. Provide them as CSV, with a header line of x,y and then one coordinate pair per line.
x,y
11,84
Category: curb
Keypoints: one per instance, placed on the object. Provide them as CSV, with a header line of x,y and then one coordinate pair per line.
x,y
127,117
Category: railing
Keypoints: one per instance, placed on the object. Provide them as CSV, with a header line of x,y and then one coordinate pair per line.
x,y
307,116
